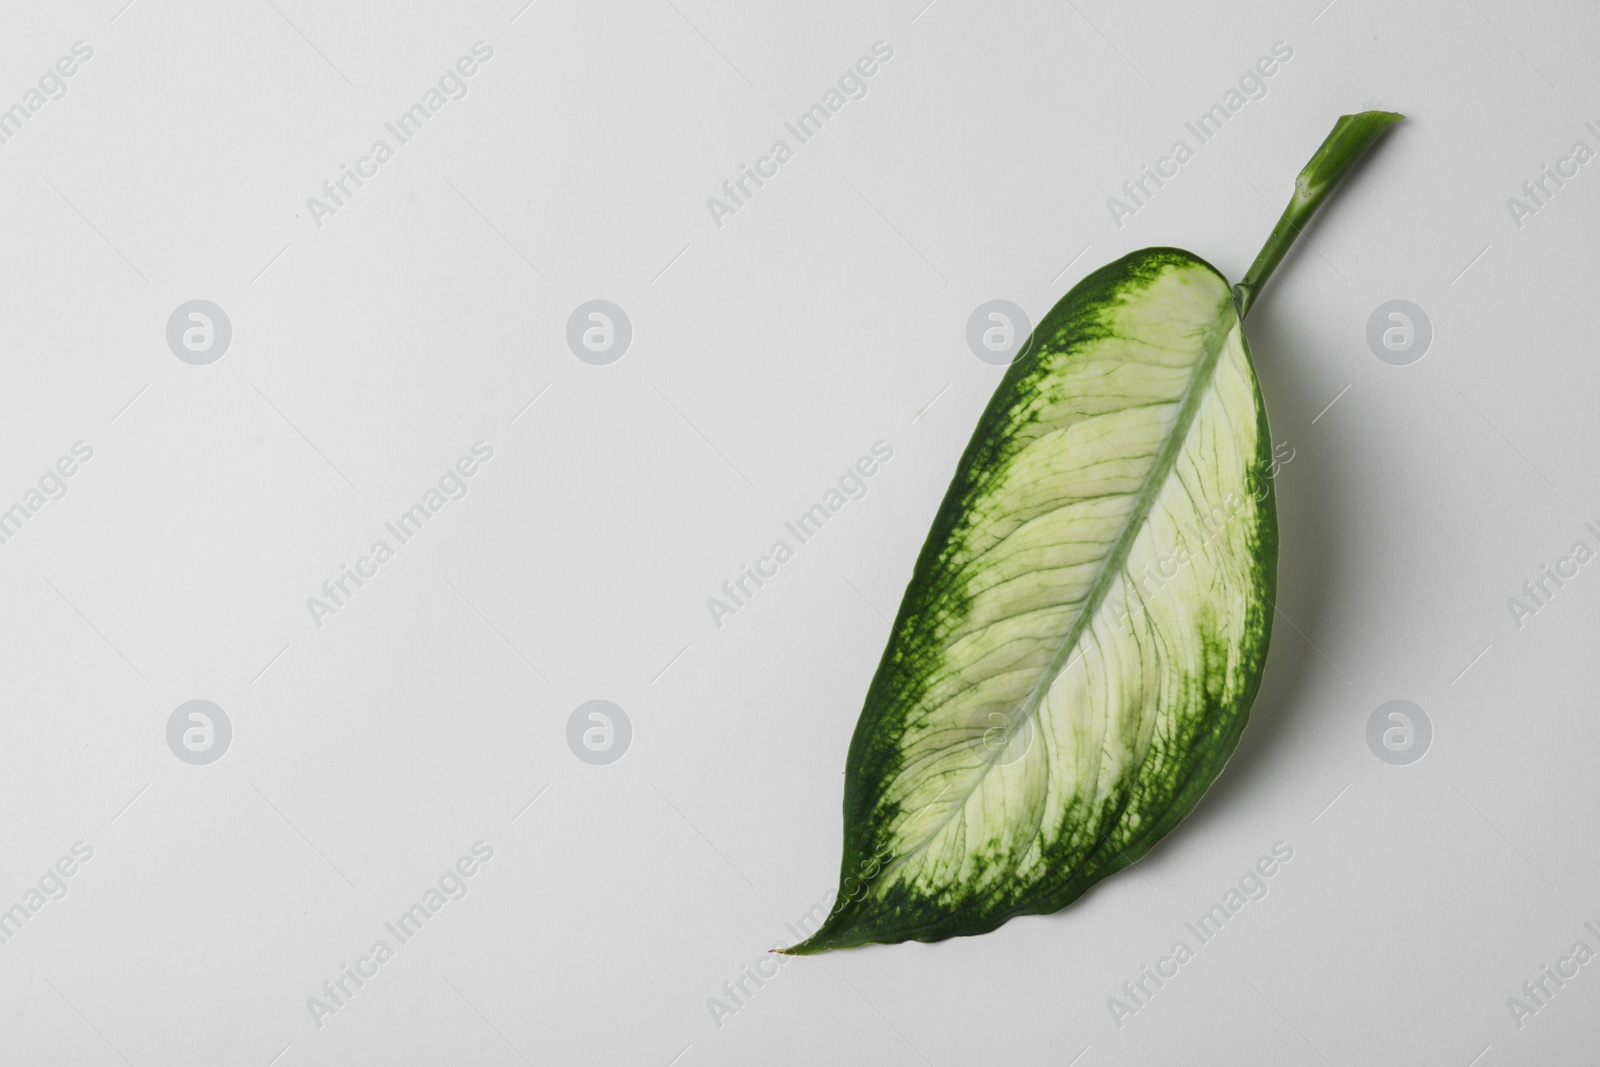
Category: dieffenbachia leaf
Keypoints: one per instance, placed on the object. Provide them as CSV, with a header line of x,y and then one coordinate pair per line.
x,y
1085,629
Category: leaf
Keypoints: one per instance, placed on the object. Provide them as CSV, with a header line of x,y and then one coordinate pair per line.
x,y
1060,690
1085,630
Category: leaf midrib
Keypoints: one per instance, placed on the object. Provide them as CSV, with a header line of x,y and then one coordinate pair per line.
x,y
1155,481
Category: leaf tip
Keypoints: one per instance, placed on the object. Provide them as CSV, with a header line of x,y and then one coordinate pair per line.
x,y
808,947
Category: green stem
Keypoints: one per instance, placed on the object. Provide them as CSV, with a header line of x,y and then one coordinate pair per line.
x,y
1351,137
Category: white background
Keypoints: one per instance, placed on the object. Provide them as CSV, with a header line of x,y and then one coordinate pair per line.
x,y
768,354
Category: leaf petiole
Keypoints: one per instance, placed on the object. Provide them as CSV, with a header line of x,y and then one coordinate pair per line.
x,y
1351,137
